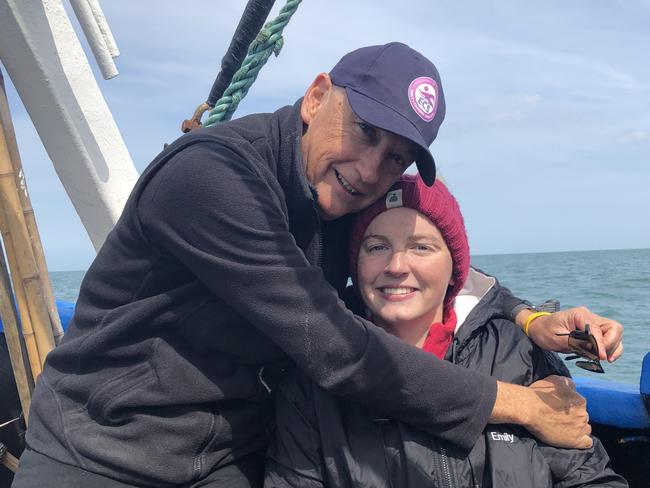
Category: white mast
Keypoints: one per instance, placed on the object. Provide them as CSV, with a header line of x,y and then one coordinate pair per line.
x,y
45,61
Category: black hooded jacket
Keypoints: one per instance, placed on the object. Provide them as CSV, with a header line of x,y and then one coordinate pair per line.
x,y
214,275
322,441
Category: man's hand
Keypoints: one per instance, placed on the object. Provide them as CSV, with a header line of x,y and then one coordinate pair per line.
x,y
550,409
543,331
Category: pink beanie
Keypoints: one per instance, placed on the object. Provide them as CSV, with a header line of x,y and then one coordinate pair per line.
x,y
434,202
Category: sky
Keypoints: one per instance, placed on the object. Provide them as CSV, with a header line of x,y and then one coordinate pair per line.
x,y
546,141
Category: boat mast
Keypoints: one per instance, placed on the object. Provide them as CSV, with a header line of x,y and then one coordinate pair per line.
x,y
46,63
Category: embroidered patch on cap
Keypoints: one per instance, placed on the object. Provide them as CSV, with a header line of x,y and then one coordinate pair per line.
x,y
423,95
394,199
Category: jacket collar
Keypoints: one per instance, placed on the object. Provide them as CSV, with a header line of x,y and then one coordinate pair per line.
x,y
476,287
477,302
291,172
300,197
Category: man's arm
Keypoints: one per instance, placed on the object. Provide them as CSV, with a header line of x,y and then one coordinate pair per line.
x,y
543,330
224,221
550,409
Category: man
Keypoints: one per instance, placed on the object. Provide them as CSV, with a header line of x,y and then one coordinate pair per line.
x,y
216,274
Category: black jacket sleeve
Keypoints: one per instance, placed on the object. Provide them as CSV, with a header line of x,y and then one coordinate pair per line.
x,y
294,456
572,468
225,220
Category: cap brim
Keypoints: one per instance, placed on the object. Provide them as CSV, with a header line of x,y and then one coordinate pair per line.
x,y
386,118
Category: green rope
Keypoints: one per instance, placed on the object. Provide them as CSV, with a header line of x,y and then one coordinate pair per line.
x,y
268,41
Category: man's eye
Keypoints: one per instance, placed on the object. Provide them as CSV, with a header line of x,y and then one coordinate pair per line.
x,y
399,160
368,130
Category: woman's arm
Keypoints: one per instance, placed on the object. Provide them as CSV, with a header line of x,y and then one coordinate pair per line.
x,y
573,468
543,331
608,332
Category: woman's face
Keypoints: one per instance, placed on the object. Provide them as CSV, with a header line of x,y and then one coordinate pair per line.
x,y
404,269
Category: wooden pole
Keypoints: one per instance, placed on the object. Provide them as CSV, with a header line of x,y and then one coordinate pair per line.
x,y
21,301
22,373
27,269
8,460
28,212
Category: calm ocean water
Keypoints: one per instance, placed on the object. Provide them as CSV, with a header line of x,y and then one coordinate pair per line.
x,y
615,284
612,283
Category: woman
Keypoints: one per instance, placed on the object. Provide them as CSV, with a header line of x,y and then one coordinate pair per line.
x,y
409,261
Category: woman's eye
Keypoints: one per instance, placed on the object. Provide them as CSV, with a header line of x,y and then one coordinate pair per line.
x,y
376,247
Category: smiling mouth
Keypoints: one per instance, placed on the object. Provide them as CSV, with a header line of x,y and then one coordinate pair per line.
x,y
402,290
346,184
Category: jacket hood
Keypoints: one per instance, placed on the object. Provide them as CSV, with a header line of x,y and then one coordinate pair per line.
x,y
476,303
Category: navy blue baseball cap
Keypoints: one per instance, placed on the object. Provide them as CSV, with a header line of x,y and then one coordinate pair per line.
x,y
395,88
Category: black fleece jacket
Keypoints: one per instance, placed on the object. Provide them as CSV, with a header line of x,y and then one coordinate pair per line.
x,y
216,272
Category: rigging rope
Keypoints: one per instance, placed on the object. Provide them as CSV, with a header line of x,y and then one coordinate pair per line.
x,y
268,41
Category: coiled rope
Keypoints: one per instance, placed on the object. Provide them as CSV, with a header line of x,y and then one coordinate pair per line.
x,y
268,41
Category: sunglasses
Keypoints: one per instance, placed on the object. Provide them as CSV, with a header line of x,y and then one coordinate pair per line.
x,y
584,345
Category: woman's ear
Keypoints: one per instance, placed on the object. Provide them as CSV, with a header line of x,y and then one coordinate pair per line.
x,y
316,97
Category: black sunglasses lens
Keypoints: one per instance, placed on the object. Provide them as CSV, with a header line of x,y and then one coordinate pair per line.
x,y
587,348
584,345
592,366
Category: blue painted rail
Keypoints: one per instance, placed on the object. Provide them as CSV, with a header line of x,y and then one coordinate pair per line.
x,y
66,309
618,404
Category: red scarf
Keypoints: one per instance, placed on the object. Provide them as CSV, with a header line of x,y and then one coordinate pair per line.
x,y
440,336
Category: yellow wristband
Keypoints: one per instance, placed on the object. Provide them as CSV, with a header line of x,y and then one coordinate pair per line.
x,y
532,317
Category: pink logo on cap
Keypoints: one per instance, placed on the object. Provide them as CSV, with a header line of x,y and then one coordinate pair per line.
x,y
423,95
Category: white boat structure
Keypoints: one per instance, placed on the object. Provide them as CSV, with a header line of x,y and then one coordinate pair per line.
x,y
42,55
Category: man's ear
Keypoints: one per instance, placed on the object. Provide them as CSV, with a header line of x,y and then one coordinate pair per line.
x,y
315,97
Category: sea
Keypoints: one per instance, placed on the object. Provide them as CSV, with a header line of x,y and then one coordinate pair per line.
x,y
615,284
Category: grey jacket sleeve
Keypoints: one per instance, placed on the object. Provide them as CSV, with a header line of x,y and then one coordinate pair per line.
x,y
294,457
226,221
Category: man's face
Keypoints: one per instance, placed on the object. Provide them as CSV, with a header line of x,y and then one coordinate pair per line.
x,y
350,162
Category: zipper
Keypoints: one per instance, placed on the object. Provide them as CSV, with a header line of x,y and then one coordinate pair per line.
x,y
442,474
319,229
454,350
446,470
319,259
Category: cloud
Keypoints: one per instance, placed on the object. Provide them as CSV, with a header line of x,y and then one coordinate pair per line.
x,y
633,136
545,90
